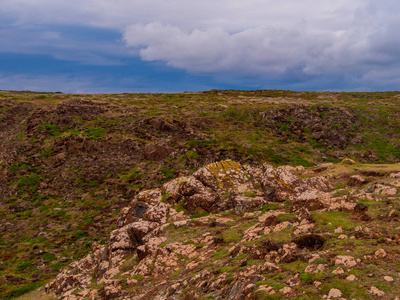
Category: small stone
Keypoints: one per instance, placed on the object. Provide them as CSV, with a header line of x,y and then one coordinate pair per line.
x,y
342,237
192,265
314,258
334,293
351,278
317,283
323,267
376,292
267,289
380,253
358,229
348,161
388,278
338,230
345,260
338,271
281,226
367,230
310,269
286,290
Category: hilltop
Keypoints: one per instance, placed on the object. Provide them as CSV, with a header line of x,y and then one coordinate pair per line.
x,y
70,164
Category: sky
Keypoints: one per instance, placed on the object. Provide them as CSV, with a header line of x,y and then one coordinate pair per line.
x,y
104,46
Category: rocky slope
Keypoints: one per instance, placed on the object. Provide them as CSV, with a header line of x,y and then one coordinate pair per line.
x,y
69,164
232,231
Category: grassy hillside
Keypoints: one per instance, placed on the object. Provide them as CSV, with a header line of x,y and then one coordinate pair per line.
x,y
69,162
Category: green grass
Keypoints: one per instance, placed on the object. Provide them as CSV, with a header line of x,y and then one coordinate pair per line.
x,y
22,290
103,173
336,218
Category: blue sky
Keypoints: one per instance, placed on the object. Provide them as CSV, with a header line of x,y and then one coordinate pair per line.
x,y
107,46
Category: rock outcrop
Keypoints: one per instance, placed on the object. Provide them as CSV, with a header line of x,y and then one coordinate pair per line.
x,y
217,187
150,244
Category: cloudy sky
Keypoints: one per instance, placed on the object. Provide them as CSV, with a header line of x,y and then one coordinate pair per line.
x,y
187,45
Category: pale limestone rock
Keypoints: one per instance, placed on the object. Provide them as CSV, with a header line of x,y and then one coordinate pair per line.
x,y
286,290
192,265
348,161
281,226
226,176
131,235
266,289
310,269
376,292
342,237
314,258
396,183
334,293
338,271
342,206
149,196
181,223
302,229
157,213
395,175
180,216
388,278
270,267
351,278
317,284
249,215
338,230
322,267
172,190
180,249
345,260
112,289
252,233
380,253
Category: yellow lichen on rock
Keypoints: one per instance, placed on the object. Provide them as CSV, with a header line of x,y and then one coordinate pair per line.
x,y
229,175
348,161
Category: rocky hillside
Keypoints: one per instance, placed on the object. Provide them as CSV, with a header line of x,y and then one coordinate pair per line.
x,y
239,232
70,164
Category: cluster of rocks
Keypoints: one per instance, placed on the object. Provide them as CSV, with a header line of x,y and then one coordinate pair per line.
x,y
328,125
139,251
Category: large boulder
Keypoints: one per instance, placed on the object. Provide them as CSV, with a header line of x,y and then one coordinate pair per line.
x,y
289,187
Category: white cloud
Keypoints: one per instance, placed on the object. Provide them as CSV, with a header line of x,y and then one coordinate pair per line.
x,y
318,38
260,38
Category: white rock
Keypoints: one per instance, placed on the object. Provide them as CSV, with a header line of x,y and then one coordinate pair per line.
x,y
376,292
334,293
380,253
388,278
339,230
286,290
351,278
345,260
338,271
